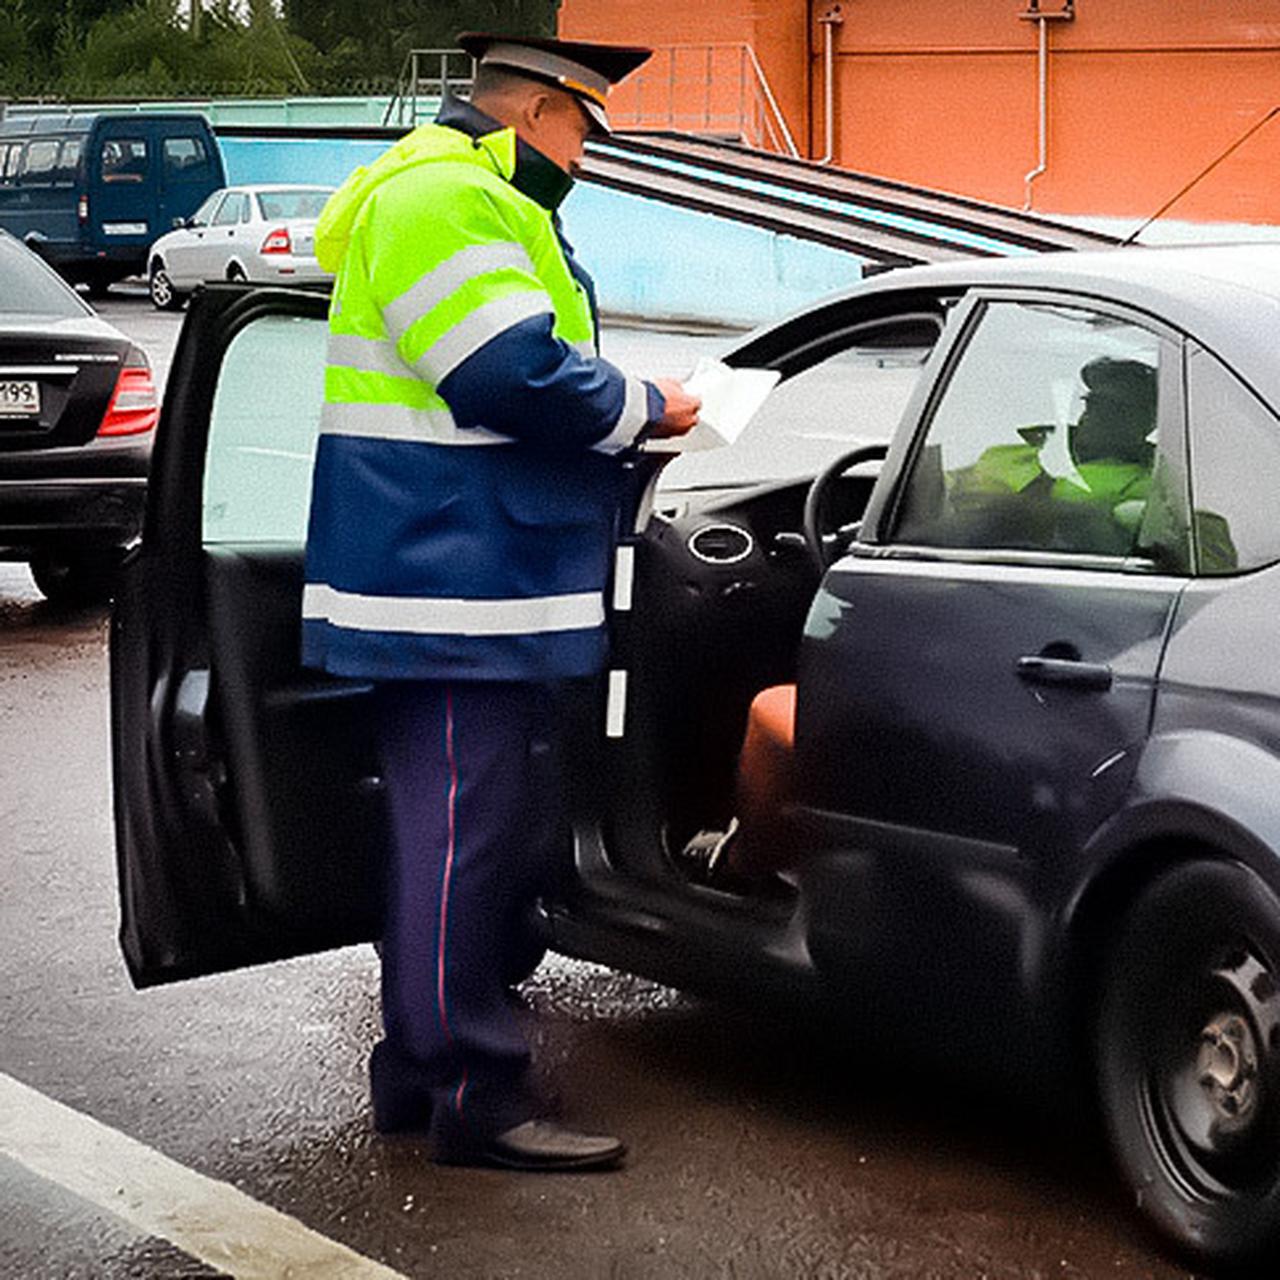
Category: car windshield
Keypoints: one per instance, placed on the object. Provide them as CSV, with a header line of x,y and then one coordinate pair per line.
x,y
305,203
32,288
855,397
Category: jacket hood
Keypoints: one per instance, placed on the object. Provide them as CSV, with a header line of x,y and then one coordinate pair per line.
x,y
426,144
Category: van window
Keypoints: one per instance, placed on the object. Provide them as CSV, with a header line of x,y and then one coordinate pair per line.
x,y
68,161
124,160
185,159
42,160
10,161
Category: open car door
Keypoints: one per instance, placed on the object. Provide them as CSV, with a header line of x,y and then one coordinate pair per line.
x,y
248,808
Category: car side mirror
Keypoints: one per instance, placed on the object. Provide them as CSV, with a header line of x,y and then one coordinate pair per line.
x,y
183,222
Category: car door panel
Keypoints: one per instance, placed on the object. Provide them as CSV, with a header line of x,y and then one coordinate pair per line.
x,y
247,804
970,710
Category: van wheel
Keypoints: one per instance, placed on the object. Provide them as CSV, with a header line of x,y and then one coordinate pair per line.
x,y
99,284
1188,1060
77,578
163,295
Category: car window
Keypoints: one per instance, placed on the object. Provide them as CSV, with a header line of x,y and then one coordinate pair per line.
x,y
230,211
42,160
1235,469
293,204
124,160
1045,439
10,160
204,214
31,287
855,396
263,431
68,160
185,158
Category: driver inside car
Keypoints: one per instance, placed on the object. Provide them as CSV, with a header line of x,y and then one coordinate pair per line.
x,y
1014,495
1094,498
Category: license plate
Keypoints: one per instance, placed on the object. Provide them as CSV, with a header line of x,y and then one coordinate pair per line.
x,y
19,398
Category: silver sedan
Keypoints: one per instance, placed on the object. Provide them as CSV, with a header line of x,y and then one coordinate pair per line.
x,y
262,232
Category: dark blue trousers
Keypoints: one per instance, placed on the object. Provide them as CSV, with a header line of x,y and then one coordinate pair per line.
x,y
472,774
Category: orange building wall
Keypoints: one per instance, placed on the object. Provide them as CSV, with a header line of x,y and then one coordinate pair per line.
x,y
1142,93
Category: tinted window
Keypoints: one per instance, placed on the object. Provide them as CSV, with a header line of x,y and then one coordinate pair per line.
x,y
1045,439
185,159
69,160
10,161
32,288
263,431
124,160
231,210
292,204
42,161
1235,469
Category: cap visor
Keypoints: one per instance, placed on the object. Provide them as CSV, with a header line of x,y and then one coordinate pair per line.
x,y
596,114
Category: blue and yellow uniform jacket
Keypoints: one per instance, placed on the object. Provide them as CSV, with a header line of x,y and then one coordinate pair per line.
x,y
468,477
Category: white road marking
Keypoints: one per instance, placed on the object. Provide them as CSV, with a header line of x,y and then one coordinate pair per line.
x,y
210,1220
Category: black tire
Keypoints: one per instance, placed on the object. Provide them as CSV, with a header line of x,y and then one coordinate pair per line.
x,y
164,297
99,284
235,273
74,579
1188,1060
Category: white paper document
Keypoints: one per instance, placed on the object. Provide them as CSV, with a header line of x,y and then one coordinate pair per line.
x,y
730,399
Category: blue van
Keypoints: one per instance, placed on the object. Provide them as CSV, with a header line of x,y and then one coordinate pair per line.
x,y
89,191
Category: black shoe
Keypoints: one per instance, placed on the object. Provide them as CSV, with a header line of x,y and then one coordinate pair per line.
x,y
542,1146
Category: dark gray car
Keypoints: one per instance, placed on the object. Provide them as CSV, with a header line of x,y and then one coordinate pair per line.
x,y
78,410
1023,822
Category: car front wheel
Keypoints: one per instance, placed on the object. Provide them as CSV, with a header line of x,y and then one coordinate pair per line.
x,y
163,295
1188,1060
77,578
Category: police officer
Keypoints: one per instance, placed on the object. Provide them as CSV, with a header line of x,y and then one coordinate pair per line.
x,y
466,490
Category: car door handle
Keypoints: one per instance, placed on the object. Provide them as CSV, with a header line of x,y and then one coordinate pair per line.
x,y
1065,672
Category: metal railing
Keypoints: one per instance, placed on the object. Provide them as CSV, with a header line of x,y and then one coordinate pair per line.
x,y
716,90
427,76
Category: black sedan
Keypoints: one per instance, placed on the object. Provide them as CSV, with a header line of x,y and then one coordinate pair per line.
x,y
982,750
78,410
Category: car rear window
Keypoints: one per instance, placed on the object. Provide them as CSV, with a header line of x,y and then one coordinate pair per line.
x,y
30,287
293,204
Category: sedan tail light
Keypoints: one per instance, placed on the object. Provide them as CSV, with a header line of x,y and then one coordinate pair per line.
x,y
135,406
277,241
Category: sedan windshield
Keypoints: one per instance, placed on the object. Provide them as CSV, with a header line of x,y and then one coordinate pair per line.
x,y
293,204
32,288
851,399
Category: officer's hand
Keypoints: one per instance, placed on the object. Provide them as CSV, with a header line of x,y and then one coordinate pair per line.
x,y
681,411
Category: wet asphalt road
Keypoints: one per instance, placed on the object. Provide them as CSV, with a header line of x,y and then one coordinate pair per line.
x,y
759,1148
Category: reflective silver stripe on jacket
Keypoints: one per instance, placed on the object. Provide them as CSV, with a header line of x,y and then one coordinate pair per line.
x,y
366,355
478,327
453,617
447,277
373,421
635,413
